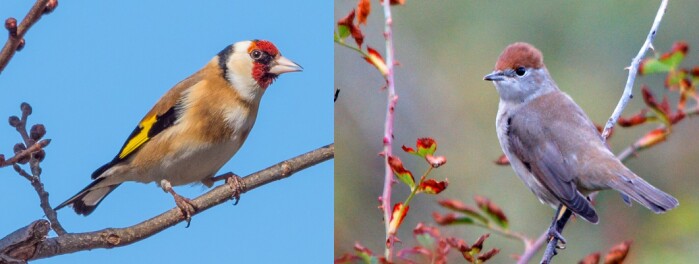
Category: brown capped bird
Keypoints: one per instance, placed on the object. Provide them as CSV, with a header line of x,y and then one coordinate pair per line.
x,y
553,146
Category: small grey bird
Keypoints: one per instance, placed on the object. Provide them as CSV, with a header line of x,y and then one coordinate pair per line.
x,y
553,146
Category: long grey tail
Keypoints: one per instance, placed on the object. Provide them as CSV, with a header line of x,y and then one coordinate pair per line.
x,y
88,198
644,193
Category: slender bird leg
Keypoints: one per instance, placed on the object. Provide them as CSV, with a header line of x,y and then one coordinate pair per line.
x,y
183,203
559,221
554,229
234,181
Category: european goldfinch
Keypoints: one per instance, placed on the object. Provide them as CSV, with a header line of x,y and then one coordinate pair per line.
x,y
195,128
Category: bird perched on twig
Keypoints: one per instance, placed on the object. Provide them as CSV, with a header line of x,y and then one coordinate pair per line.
x,y
195,128
553,146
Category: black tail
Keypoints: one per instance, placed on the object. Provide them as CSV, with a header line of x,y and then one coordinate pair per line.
x,y
644,193
88,198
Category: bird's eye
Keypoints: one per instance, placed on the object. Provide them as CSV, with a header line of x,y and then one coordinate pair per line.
x,y
520,71
256,54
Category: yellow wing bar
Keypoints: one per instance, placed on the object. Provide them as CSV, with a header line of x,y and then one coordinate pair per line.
x,y
137,140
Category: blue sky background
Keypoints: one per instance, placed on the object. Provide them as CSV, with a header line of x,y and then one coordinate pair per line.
x,y
92,69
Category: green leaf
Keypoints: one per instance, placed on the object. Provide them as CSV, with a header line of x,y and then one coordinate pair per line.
x,y
368,259
674,60
464,220
492,210
403,174
650,66
343,32
669,61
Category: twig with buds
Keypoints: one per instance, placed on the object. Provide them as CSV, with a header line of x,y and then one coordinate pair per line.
x,y
15,40
32,151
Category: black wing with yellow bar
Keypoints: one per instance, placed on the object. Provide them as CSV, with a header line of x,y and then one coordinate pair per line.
x,y
146,130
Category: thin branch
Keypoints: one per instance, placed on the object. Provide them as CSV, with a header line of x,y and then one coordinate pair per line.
x,y
118,237
15,41
388,127
33,148
533,248
25,154
626,96
633,70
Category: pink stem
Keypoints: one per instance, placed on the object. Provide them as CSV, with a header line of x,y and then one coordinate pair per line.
x,y
388,128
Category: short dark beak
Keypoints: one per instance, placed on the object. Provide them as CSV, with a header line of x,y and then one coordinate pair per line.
x,y
495,76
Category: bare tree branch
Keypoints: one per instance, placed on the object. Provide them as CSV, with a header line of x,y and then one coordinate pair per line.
x,y
33,152
118,237
633,70
15,40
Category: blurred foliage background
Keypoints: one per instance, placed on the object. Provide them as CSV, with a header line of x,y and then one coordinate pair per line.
x,y
444,49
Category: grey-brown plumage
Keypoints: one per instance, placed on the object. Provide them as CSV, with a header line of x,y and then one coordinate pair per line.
x,y
553,146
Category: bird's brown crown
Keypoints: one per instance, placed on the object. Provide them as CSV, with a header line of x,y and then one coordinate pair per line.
x,y
520,54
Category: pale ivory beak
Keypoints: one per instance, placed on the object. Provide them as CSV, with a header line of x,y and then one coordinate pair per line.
x,y
283,65
495,76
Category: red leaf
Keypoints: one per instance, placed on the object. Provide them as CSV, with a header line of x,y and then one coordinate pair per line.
x,y
363,10
457,205
397,165
417,250
442,251
677,117
396,2
664,105
636,119
591,259
432,186
478,245
648,96
399,213
618,253
458,244
653,137
347,258
491,209
444,219
426,145
437,161
403,175
486,256
408,149
679,46
422,229
686,90
348,21
502,160
695,71
374,58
